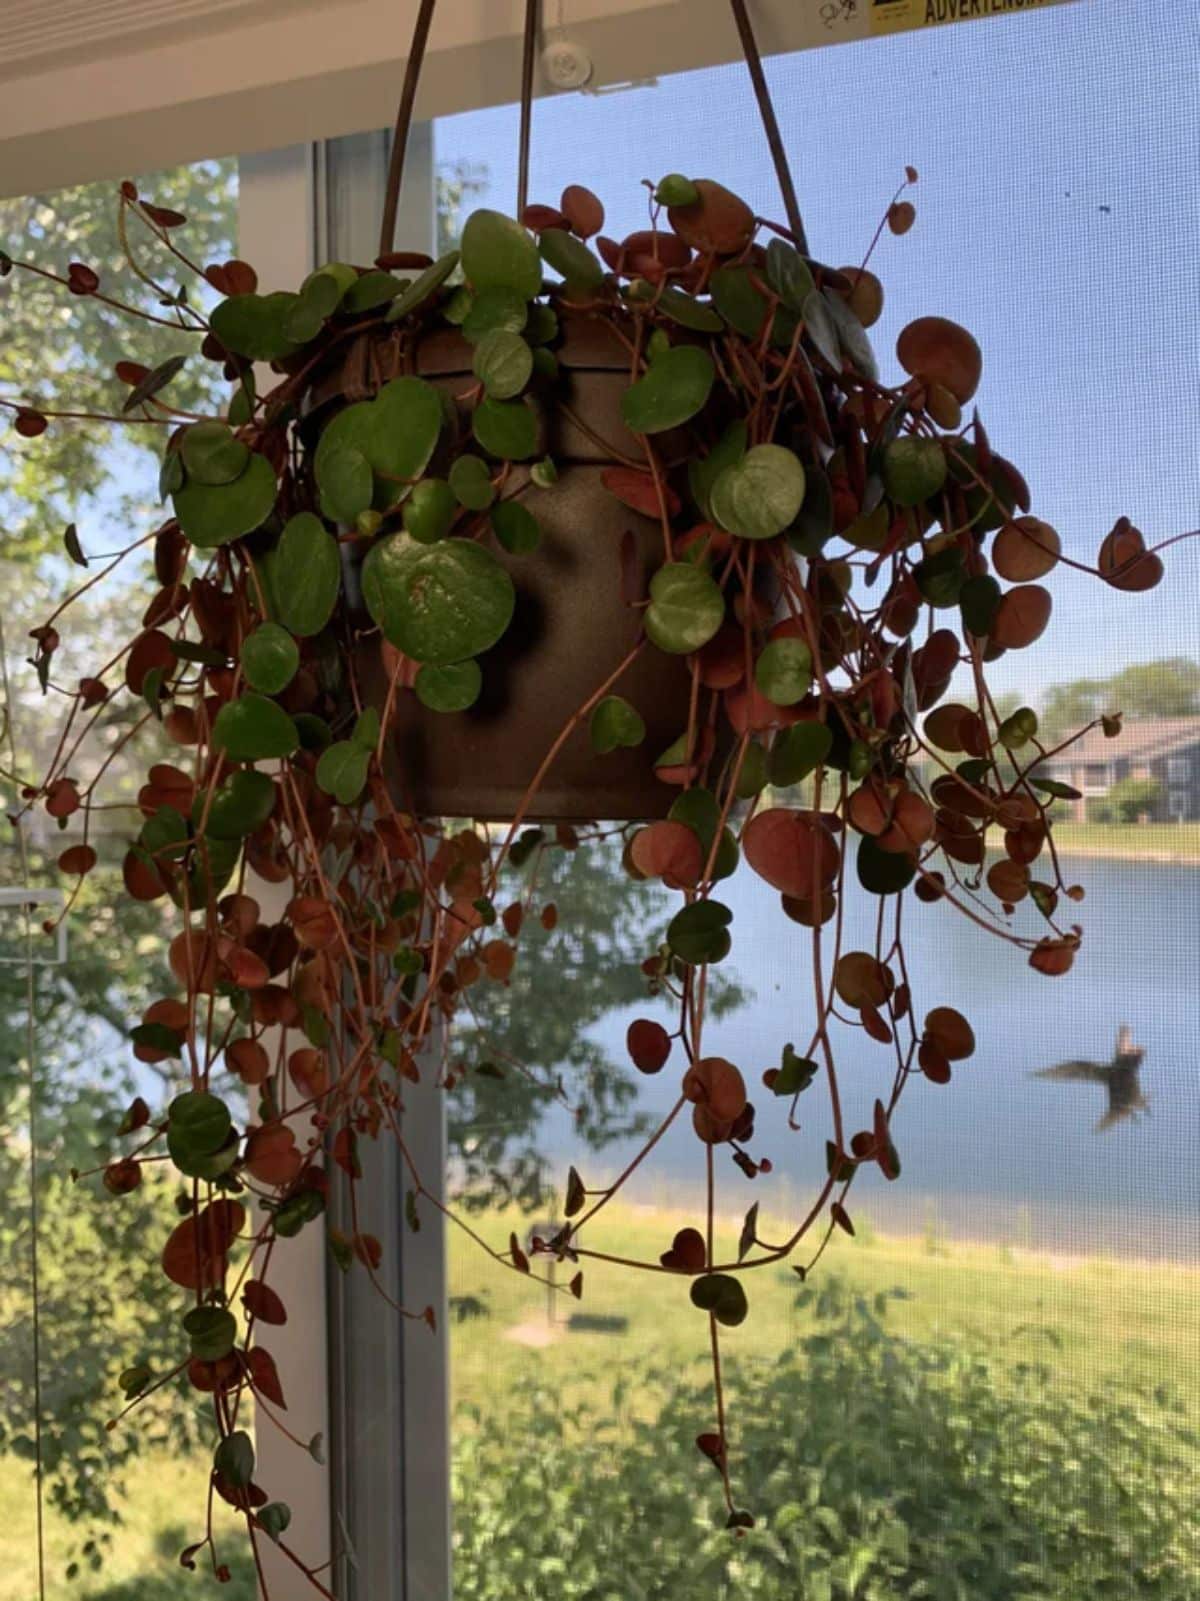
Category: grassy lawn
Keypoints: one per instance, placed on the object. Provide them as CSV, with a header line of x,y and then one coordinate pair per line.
x,y
1174,842
577,1475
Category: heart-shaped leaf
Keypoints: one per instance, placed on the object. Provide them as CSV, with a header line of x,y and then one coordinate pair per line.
x,y
497,250
211,454
700,932
243,804
452,688
437,603
342,770
198,1125
615,724
234,1459
254,729
571,258
211,1330
255,326
270,657
723,1296
783,672
304,574
515,526
214,514
761,495
430,510
674,389
788,274
503,364
914,468
471,481
686,608
346,484
423,286
506,428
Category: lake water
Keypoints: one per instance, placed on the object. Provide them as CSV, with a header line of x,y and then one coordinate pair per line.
x,y
996,1154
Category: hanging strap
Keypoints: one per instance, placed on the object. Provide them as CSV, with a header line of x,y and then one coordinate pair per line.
x,y
770,124
412,72
404,112
408,94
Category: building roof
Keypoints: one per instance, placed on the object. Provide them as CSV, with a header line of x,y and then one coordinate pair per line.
x,y
1140,741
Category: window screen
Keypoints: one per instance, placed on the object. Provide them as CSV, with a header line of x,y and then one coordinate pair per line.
x,y
990,1390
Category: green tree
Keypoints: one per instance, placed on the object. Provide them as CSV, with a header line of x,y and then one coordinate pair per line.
x,y
528,1046
456,182
1130,798
1169,687
104,1304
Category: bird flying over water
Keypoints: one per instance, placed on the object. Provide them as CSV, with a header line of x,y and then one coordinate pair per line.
x,y
1119,1077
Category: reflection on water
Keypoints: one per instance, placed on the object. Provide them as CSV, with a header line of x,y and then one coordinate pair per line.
x,y
1121,1078
989,1156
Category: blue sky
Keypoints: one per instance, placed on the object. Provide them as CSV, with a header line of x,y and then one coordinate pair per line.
x,y
1022,128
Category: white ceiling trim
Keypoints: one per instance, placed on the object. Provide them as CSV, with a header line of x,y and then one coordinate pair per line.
x,y
110,88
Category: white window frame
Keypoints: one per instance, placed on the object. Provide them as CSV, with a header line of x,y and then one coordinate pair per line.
x,y
376,1518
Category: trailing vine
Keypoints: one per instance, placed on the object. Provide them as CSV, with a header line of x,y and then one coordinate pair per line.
x,y
335,558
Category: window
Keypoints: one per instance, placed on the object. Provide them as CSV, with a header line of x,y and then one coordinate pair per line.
x,y
925,1410
1179,769
125,1525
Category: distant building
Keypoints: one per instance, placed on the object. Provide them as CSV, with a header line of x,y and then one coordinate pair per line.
x,y
1166,749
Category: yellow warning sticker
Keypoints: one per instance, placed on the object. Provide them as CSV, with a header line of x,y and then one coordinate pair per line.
x,y
895,16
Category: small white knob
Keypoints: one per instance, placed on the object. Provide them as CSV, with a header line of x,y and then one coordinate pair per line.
x,y
566,65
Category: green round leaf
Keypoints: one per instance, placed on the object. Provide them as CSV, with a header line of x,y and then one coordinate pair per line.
x,y
883,872
243,803
423,286
784,671
234,1459
541,325
503,364
761,495
686,310
211,454
700,933
304,572
305,320
676,190
615,724
699,810
324,288
723,1296
437,603
198,1124
686,608
978,600
213,514
254,729
346,483
342,770
914,468
371,290
212,1331
270,657
743,306
506,428
814,526
497,250
471,481
274,1518
495,310
752,779
674,389
703,471
515,526
788,274
941,577
430,510
572,258
397,432
255,326
451,688
798,751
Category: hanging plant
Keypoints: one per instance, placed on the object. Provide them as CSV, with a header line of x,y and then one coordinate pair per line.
x,y
776,564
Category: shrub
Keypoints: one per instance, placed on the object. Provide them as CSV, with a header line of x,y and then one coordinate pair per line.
x,y
885,1470
1130,797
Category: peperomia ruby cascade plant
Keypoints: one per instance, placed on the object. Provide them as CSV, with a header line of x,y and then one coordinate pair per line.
x,y
830,552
